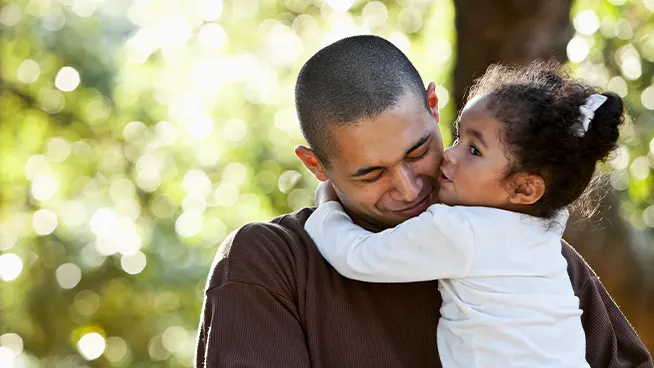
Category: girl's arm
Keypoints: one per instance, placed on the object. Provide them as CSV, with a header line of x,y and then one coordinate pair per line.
x,y
437,244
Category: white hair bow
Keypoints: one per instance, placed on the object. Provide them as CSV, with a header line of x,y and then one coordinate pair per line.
x,y
593,102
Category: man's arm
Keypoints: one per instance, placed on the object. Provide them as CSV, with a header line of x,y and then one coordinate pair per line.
x,y
244,325
250,317
611,341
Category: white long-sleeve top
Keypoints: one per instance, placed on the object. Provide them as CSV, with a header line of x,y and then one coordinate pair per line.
x,y
507,296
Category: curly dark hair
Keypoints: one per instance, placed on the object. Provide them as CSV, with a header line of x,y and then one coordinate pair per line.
x,y
539,106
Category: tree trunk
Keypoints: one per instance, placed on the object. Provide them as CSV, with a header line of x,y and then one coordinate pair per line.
x,y
517,31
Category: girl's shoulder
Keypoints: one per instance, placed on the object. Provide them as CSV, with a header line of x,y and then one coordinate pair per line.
x,y
500,220
473,212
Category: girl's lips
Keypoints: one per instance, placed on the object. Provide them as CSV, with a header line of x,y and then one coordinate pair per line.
x,y
443,179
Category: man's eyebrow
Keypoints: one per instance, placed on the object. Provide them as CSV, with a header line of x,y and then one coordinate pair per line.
x,y
367,170
419,143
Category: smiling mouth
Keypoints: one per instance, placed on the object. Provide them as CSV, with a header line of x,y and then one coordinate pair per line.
x,y
417,208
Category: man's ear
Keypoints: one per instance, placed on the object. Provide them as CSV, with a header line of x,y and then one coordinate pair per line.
x,y
433,100
311,162
526,189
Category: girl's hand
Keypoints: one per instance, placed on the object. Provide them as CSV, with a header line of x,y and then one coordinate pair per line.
x,y
325,193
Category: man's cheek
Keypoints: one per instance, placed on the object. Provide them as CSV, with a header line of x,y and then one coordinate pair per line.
x,y
369,197
430,166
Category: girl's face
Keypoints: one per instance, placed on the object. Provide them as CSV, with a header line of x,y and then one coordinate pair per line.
x,y
474,167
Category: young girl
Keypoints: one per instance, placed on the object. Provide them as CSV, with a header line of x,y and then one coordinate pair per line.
x,y
527,143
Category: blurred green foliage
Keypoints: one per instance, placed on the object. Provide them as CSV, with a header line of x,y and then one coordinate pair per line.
x,y
619,56
134,135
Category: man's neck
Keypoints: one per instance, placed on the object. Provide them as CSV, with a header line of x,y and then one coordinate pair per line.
x,y
368,224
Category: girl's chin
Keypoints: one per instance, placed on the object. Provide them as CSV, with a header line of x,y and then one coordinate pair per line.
x,y
445,197
448,199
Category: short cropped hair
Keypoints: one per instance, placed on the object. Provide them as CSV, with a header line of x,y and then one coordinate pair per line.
x,y
355,78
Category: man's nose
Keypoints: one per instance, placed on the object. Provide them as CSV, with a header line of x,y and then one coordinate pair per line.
x,y
407,185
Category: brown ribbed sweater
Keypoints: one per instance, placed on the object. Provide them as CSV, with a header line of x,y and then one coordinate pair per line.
x,y
273,301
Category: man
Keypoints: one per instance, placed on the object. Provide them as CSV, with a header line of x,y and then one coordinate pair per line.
x,y
271,299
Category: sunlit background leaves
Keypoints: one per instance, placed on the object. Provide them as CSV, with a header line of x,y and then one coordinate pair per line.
x,y
135,135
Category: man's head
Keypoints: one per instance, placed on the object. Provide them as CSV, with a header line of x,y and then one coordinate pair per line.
x,y
372,129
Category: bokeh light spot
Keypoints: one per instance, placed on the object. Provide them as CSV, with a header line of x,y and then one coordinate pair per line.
x,y
28,71
68,275
44,222
67,79
11,266
91,346
133,263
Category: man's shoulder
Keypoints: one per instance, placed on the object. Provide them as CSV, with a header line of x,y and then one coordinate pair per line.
x,y
578,270
251,236
261,252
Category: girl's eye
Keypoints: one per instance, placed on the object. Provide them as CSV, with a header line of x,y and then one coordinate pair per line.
x,y
474,151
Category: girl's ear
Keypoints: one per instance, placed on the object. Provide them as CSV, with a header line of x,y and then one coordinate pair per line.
x,y
526,189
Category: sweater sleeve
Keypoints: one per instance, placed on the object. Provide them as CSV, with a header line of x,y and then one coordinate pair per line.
x,y
436,244
611,341
250,317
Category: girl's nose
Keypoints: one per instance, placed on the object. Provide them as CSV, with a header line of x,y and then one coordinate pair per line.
x,y
449,155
